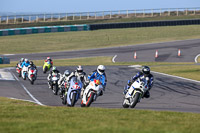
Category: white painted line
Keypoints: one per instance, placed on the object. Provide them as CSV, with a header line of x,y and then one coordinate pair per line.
x,y
196,58
135,66
174,76
22,100
4,75
113,59
8,54
36,101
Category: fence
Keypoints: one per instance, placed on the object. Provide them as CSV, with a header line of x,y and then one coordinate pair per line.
x,y
34,18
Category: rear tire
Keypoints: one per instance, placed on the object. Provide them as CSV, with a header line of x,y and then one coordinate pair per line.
x,y
45,69
32,82
20,74
136,98
90,99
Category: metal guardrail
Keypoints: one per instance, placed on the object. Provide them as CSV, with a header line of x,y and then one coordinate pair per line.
x,y
34,18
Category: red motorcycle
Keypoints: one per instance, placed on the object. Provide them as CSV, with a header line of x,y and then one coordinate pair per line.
x,y
19,69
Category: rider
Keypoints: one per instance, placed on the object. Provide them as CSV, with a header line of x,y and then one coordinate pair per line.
x,y
26,63
63,80
80,74
20,62
53,72
50,60
32,66
144,74
99,73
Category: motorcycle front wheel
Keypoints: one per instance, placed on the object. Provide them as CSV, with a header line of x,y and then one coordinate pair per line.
x,y
135,100
55,89
89,99
73,99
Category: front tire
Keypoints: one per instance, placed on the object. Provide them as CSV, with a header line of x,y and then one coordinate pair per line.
x,y
124,104
45,69
90,99
73,99
135,100
64,101
55,89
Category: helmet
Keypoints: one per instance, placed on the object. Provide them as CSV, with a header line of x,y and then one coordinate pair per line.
x,y
146,70
79,69
26,60
54,68
31,63
101,69
22,60
48,58
66,73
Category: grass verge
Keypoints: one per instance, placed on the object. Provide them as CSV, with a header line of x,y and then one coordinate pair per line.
x,y
17,116
50,42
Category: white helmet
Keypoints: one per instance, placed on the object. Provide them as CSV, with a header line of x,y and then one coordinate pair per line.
x,y
101,69
79,69
26,60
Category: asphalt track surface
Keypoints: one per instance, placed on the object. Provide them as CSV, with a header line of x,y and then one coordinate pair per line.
x,y
167,52
168,93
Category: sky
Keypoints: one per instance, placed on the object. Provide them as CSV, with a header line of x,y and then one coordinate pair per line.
x,y
63,6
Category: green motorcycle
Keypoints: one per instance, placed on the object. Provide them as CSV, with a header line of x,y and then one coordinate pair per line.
x,y
46,66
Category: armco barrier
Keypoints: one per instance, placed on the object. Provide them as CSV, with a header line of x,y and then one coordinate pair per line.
x,y
144,24
47,29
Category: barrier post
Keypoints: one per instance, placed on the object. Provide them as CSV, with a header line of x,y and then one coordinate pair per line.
x,y
7,20
66,16
73,16
110,14
88,15
51,17
22,19
95,15
168,12
143,13
44,17
0,19
160,12
194,11
80,16
29,19
177,11
15,19
151,12
127,13
103,15
186,11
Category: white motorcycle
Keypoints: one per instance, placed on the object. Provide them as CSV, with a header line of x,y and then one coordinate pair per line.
x,y
24,72
32,75
135,93
90,94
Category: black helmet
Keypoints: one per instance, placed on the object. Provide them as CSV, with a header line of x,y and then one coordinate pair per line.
x,y
31,63
145,70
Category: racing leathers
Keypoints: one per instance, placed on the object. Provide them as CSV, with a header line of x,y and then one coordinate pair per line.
x,y
51,74
50,60
81,76
102,78
24,64
150,81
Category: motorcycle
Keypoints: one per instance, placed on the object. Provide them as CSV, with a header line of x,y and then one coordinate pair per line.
x,y
135,93
90,94
32,75
54,83
19,69
24,72
73,93
46,66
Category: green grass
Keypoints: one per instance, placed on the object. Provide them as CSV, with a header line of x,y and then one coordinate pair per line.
x,y
114,20
49,42
17,116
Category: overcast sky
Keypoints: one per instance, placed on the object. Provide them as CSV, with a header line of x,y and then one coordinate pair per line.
x,y
62,6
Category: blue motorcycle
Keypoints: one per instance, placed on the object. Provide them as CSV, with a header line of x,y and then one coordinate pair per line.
x,y
73,93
